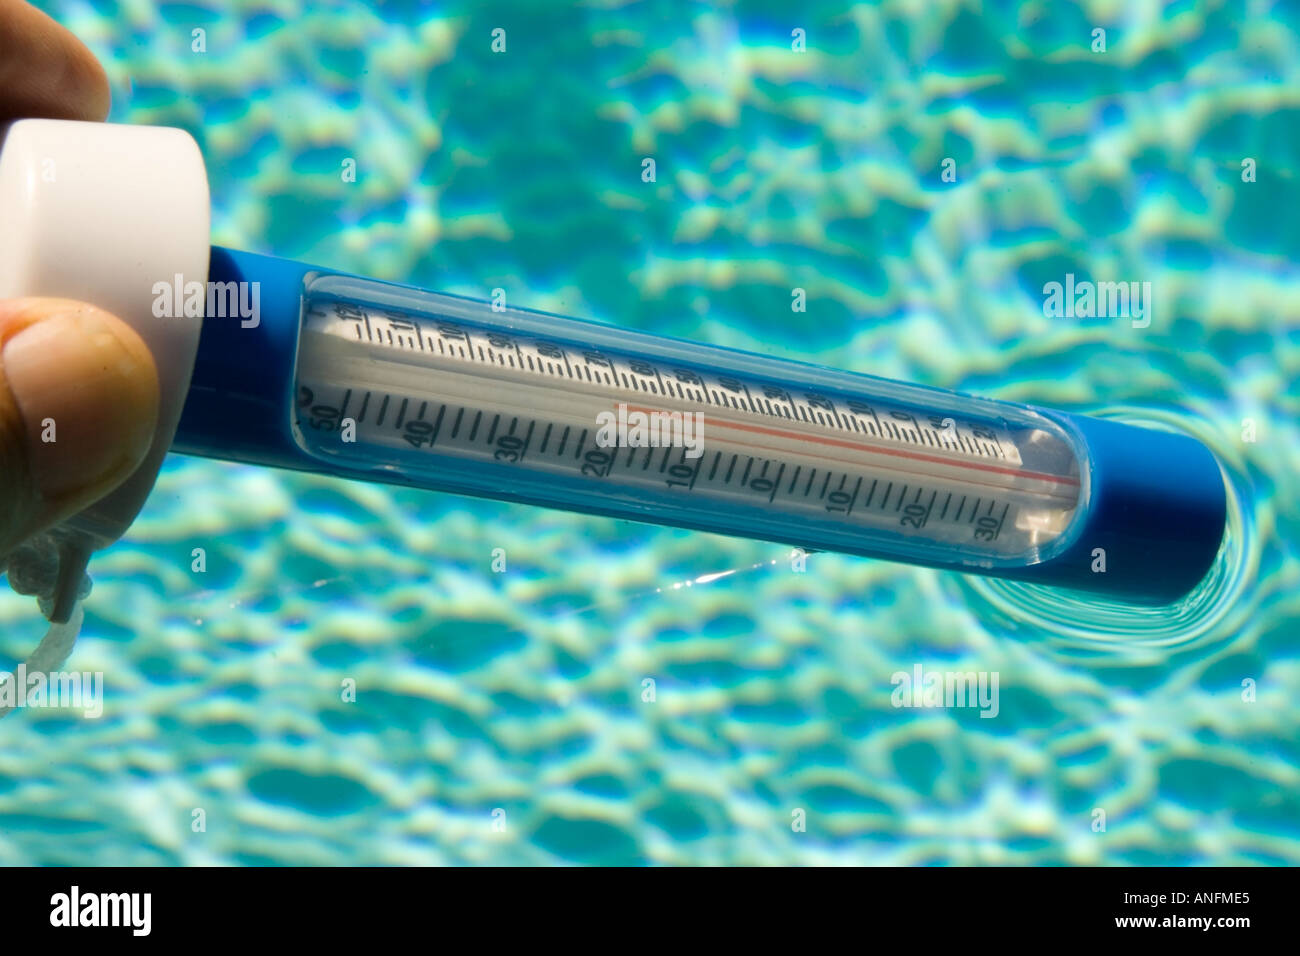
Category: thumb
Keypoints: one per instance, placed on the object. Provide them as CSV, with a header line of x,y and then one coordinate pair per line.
x,y
78,408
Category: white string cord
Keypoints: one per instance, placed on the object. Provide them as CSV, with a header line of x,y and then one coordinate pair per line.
x,y
34,568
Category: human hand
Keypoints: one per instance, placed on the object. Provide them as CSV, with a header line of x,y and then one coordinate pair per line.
x,y
78,386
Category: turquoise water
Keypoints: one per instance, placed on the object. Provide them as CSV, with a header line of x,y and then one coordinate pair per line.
x,y
500,716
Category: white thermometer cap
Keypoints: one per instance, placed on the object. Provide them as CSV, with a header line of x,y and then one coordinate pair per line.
x,y
102,213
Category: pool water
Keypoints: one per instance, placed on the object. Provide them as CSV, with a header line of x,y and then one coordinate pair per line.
x,y
538,687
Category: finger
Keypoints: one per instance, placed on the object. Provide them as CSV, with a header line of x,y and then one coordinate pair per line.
x,y
78,409
45,70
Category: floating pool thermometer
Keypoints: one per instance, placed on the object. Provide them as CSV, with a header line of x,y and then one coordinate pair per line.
x,y
306,368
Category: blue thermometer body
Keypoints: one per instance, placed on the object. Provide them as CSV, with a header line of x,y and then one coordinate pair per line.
x,y
381,382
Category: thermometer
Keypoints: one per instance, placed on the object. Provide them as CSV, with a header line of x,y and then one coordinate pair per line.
x,y
288,365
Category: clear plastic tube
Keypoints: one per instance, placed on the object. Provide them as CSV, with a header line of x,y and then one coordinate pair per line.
x,y
450,392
